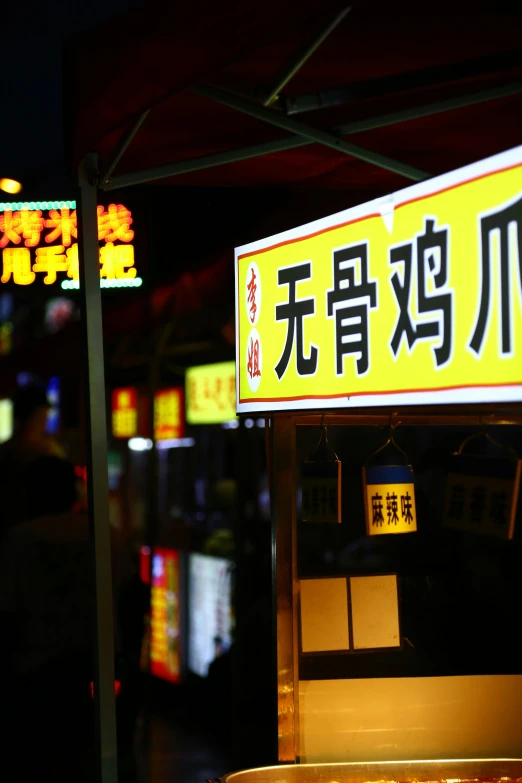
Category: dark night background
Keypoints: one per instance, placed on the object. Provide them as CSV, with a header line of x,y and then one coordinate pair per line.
x,y
33,35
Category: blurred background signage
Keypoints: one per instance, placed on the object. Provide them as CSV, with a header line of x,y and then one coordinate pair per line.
x,y
165,651
125,413
210,610
39,240
169,419
6,420
211,393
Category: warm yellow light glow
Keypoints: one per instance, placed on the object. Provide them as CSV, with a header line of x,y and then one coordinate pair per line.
x,y
324,615
169,422
10,185
125,413
376,714
36,224
211,393
6,420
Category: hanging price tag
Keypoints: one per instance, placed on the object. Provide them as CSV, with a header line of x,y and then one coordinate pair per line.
x,y
321,491
482,495
389,499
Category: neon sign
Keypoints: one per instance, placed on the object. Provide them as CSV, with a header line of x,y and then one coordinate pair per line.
x,y
165,623
124,413
169,421
40,238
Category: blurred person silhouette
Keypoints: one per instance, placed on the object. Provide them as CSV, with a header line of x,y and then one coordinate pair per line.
x,y
46,612
29,441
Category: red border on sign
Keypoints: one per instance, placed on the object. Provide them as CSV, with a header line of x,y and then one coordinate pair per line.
x,y
377,214
343,225
375,393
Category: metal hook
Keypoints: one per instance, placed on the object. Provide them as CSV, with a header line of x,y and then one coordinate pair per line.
x,y
485,434
390,442
323,434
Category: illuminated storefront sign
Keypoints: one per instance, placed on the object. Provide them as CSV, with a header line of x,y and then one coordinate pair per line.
x,y
169,420
165,622
410,299
38,240
6,420
211,393
125,413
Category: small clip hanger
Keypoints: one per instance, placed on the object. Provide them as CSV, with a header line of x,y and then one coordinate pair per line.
x,y
390,441
490,439
322,444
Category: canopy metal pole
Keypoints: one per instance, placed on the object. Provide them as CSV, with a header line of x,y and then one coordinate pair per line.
x,y
429,109
122,146
203,162
418,79
285,584
320,137
294,142
97,473
291,70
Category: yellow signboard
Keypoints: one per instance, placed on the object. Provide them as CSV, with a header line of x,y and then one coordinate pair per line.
x,y
211,393
389,500
415,298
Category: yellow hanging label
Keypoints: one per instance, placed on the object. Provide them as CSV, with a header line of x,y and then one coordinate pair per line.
x,y
389,498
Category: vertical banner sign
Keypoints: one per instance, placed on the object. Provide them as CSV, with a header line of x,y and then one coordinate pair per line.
x,y
165,656
482,495
389,499
125,413
169,414
415,298
210,611
321,491
6,420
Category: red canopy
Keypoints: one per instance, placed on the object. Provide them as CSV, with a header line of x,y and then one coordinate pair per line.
x,y
381,57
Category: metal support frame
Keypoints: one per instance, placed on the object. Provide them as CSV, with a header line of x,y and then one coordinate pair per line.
x,y
318,136
447,416
154,384
284,577
288,73
429,109
122,146
294,142
97,471
202,163
423,78
296,66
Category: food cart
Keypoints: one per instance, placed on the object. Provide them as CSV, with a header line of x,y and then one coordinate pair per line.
x,y
398,315
428,93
